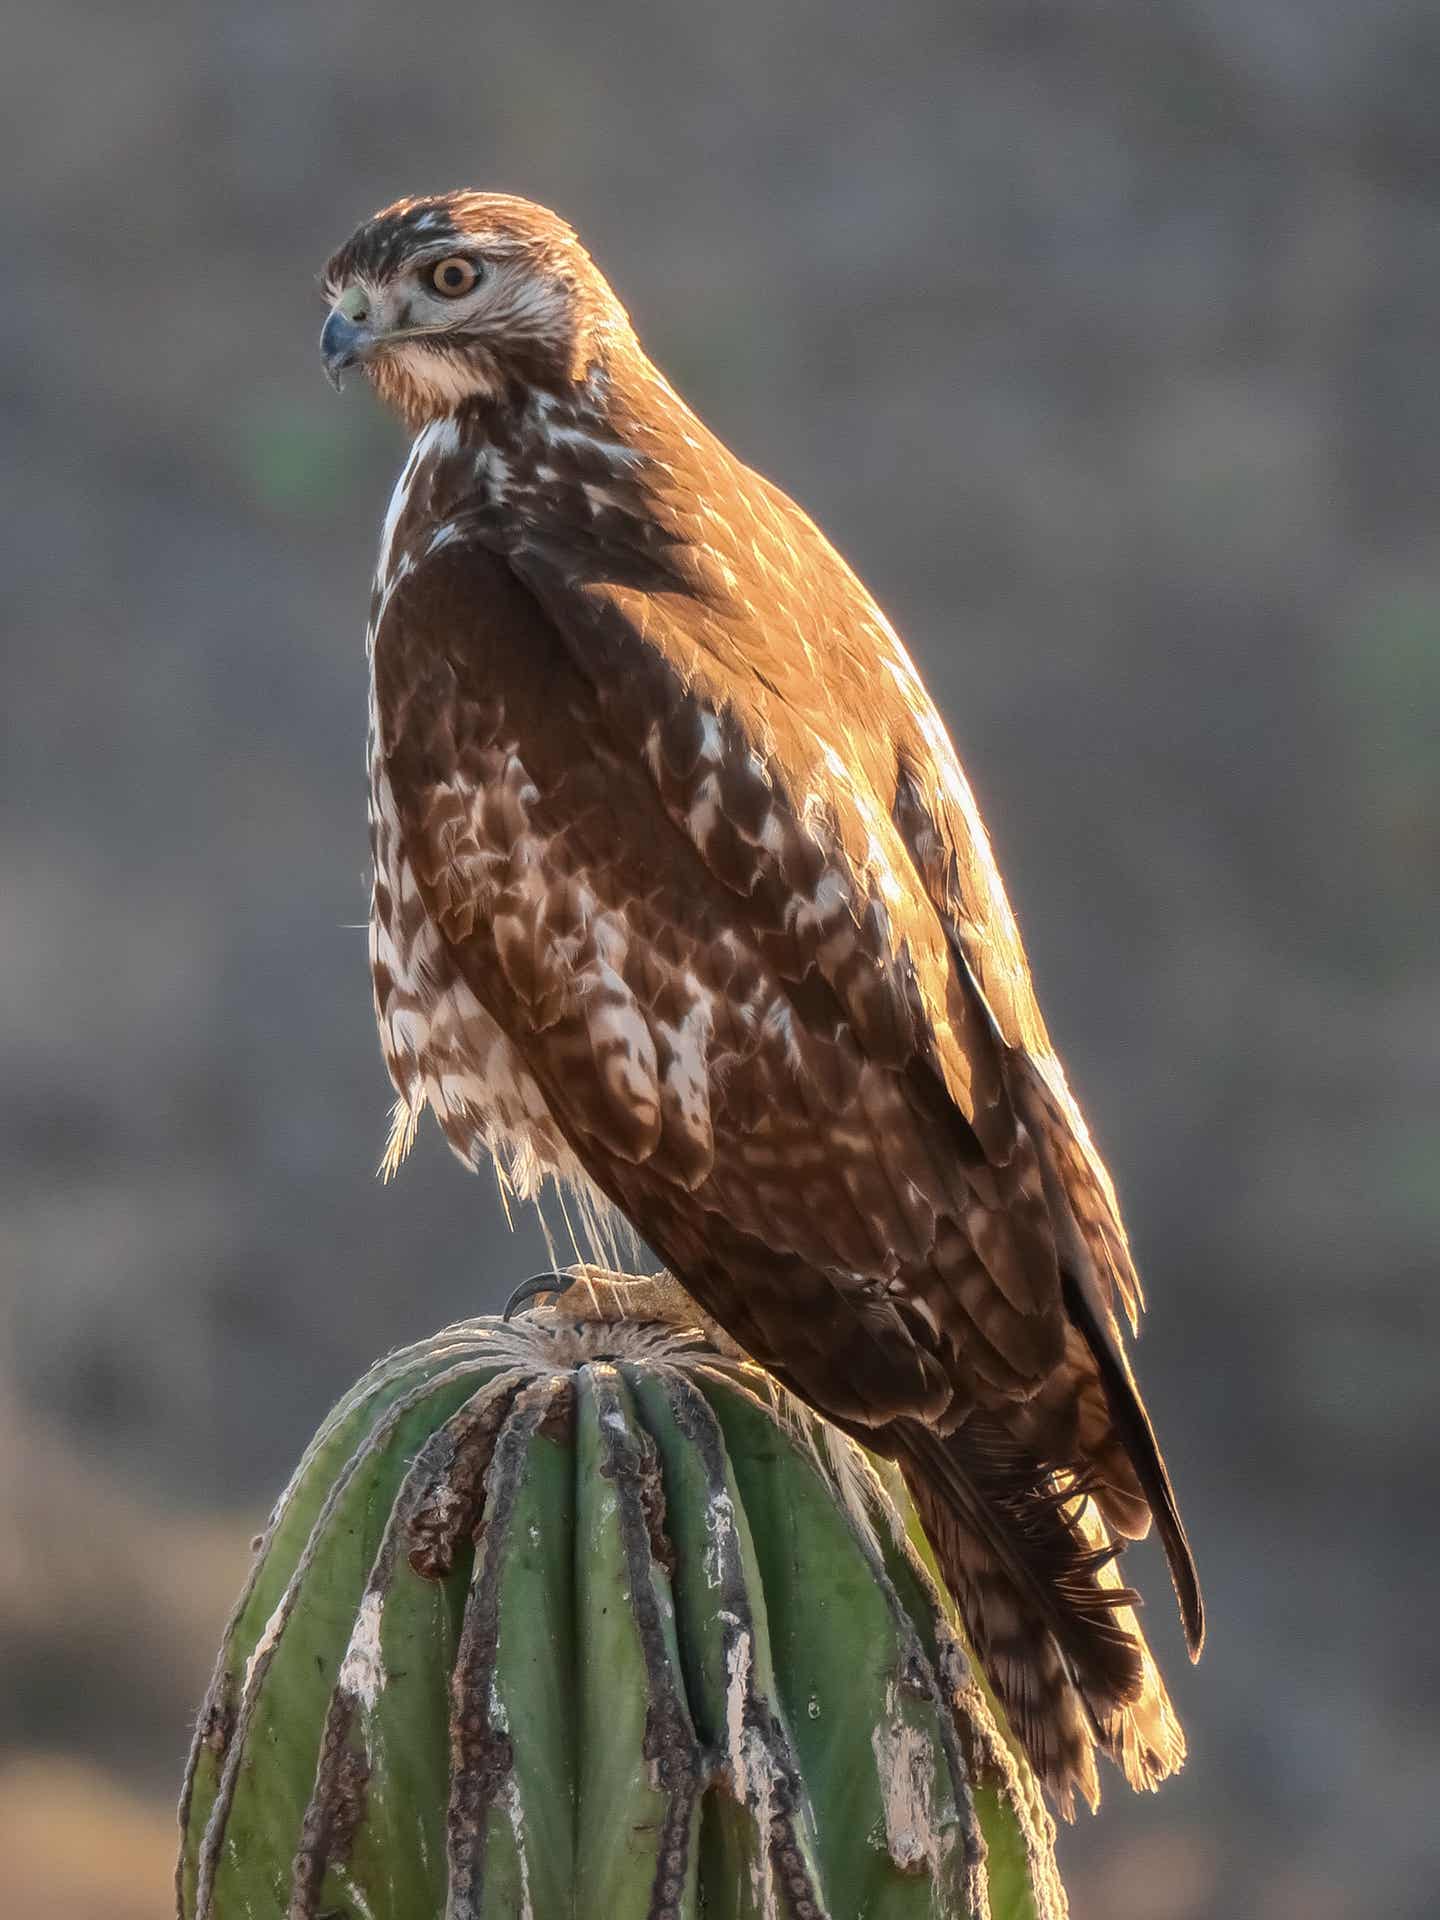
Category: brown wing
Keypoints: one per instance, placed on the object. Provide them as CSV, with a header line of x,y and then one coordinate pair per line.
x,y
669,806
774,634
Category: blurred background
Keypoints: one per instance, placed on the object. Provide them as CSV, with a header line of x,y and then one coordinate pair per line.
x,y
1102,340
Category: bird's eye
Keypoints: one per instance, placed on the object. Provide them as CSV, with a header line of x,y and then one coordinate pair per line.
x,y
454,276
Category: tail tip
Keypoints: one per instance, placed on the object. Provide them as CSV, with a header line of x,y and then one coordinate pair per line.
x,y
1192,1613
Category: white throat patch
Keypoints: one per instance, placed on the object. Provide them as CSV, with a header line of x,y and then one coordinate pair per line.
x,y
448,378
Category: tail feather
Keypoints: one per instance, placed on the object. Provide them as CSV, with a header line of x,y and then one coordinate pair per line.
x,y
1137,1437
1031,1566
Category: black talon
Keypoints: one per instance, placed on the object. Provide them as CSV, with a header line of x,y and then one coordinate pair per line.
x,y
556,1283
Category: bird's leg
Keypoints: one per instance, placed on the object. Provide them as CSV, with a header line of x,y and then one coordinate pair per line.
x,y
594,1293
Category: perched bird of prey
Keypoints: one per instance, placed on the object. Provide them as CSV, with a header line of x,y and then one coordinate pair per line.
x,y
681,895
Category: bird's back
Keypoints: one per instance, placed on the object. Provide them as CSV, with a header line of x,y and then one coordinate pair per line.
x,y
694,875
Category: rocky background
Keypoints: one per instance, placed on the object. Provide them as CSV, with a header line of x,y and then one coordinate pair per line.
x,y
1101,336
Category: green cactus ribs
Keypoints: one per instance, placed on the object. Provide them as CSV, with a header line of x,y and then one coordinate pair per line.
x,y
558,1619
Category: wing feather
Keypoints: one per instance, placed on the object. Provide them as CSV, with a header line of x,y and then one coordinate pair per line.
x,y
700,846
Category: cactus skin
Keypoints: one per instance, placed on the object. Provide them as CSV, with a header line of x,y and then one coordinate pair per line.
x,y
585,1621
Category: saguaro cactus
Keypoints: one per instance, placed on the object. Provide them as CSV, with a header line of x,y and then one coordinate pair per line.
x,y
558,1620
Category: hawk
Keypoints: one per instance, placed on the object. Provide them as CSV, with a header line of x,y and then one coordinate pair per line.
x,y
681,896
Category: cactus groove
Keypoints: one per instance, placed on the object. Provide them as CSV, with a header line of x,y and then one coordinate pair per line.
x,y
589,1622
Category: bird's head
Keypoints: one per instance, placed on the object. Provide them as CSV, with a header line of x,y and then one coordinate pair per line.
x,y
464,295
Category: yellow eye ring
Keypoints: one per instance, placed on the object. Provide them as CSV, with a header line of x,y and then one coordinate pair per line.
x,y
454,276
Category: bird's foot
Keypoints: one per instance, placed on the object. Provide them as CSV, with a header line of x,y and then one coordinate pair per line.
x,y
533,1288
593,1293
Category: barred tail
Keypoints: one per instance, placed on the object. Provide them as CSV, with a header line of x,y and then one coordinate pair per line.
x,y
1030,1565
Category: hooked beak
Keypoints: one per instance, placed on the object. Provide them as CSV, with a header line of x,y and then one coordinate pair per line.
x,y
343,343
